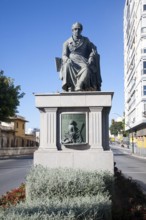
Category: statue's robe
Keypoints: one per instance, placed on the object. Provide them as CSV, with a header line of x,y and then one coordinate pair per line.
x,y
76,73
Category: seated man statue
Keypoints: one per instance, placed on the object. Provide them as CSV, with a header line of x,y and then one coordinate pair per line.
x,y
80,66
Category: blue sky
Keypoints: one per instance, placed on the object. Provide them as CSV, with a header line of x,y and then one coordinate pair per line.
x,y
32,34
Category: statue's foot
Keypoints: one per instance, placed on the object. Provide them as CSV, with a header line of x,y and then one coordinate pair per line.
x,y
70,89
63,90
78,89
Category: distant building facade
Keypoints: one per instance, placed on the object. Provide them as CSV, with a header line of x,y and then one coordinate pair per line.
x,y
135,71
12,134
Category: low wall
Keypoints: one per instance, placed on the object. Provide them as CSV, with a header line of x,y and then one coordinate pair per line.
x,y
15,151
140,151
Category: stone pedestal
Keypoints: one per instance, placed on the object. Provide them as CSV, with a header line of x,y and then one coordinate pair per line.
x,y
90,149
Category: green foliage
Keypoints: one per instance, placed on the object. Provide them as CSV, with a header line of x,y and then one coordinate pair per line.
x,y
77,208
128,200
63,194
9,97
128,203
116,127
48,183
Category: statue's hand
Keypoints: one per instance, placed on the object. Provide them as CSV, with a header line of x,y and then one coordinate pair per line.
x,y
69,60
65,59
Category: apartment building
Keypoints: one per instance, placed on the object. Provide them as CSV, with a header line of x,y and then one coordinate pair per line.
x,y
135,72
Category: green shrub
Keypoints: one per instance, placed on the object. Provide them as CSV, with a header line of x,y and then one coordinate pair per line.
x,y
128,200
63,194
45,183
78,208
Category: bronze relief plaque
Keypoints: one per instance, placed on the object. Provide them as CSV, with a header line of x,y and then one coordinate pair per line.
x,y
73,128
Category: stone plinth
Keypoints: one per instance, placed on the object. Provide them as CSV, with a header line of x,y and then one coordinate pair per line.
x,y
90,149
87,160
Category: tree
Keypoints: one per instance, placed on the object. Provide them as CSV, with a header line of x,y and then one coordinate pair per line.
x,y
116,127
9,97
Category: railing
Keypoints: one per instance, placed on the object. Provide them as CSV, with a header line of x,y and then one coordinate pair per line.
x,y
5,128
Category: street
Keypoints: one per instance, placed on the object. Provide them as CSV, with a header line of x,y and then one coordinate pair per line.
x,y
131,166
13,172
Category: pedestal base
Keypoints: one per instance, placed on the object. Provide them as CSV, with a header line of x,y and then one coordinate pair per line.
x,y
74,131
86,160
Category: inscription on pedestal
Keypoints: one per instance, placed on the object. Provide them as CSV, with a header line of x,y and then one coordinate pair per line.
x,y
73,128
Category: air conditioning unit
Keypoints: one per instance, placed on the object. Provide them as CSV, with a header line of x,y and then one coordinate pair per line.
x,y
133,120
144,114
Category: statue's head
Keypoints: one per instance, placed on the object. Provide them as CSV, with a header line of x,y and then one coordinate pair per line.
x,y
72,122
77,25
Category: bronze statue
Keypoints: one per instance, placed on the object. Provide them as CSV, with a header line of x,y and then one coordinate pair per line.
x,y
80,64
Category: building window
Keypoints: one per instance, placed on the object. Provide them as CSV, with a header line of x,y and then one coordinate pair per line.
x,y
143,30
144,7
143,50
144,67
144,109
23,126
144,90
17,125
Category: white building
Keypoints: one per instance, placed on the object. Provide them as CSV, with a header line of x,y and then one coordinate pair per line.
x,y
135,67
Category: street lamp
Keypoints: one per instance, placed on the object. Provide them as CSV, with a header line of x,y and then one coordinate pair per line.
x,y
130,129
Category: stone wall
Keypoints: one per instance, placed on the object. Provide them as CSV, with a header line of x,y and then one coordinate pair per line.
x,y
8,139
17,151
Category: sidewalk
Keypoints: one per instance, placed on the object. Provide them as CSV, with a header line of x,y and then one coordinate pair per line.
x,y
126,150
